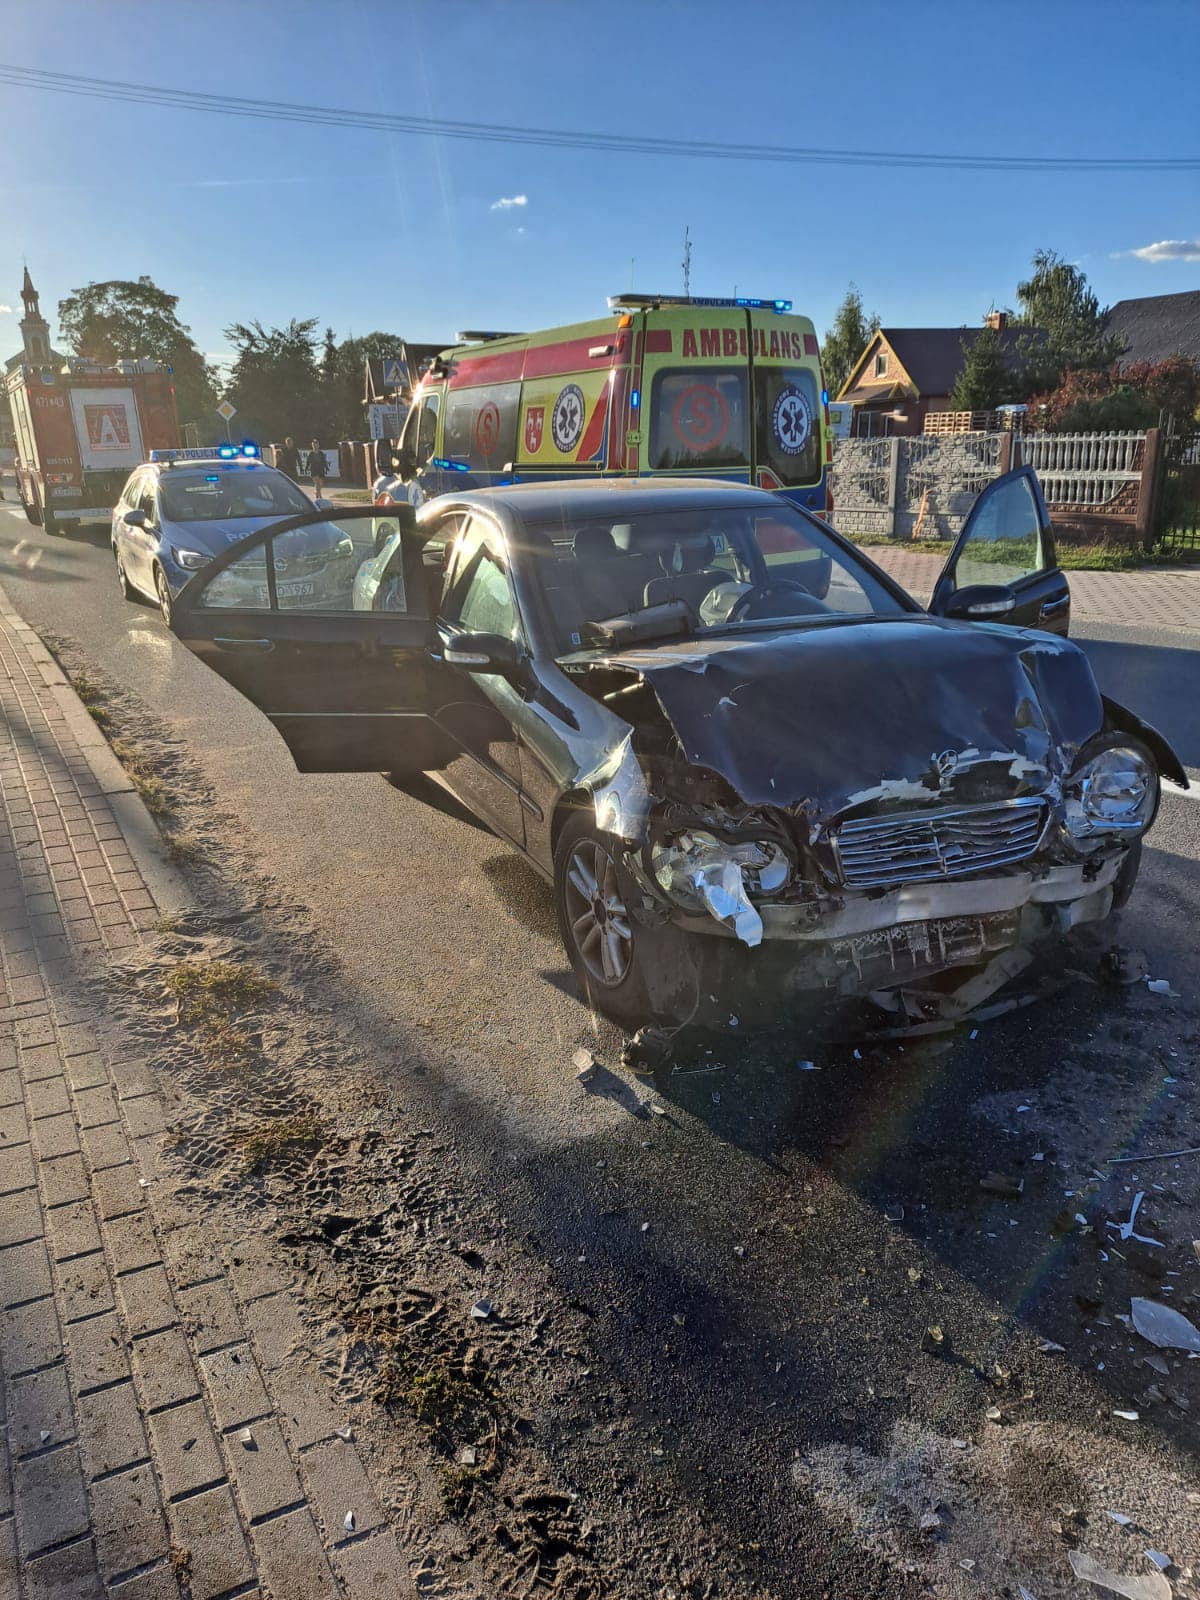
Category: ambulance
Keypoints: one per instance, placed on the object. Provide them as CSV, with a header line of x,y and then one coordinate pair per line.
x,y
703,388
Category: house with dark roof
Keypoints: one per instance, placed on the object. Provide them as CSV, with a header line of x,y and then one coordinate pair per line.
x,y
1158,326
905,373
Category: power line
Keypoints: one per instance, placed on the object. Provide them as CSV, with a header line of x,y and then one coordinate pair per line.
x,y
561,138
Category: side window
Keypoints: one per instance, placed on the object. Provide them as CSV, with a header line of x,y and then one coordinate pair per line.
x,y
129,494
1005,541
478,597
481,426
315,568
427,428
147,500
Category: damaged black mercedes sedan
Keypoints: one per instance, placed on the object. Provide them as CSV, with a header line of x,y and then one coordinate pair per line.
x,y
751,765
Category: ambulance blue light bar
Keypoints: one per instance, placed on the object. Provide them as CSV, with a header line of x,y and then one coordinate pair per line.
x,y
447,465
742,302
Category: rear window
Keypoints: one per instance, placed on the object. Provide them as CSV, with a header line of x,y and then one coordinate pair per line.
x,y
788,415
700,418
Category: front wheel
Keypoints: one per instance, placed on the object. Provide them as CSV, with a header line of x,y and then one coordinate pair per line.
x,y
163,591
601,937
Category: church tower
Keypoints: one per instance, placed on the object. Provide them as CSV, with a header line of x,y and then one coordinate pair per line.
x,y
35,330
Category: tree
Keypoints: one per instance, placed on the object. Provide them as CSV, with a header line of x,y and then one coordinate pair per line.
x,y
1117,398
275,382
347,395
125,319
1056,300
852,331
985,380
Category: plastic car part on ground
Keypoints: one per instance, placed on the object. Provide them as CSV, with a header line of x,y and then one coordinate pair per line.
x,y
1164,1326
1142,1586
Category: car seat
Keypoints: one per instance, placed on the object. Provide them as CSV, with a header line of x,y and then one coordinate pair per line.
x,y
686,573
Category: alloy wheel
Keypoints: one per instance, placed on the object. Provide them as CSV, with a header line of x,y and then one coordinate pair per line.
x,y
163,591
597,914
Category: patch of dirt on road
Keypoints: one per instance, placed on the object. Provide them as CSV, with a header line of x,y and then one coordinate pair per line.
x,y
999,1517
465,1375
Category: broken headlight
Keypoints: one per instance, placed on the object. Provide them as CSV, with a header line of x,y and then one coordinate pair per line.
x,y
763,865
700,872
1114,791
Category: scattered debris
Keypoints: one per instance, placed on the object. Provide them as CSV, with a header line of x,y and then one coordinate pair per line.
x,y
808,1066
930,1522
346,1434
739,1251
1119,1517
649,1051
933,1341
1000,1184
349,1522
1119,966
1158,1155
481,1310
1161,1561
467,1456
1049,1348
44,1435
1024,1593
585,1064
1162,986
994,1414
894,1214
1125,1229
1150,1587
1127,1416
645,1227
1164,1326
246,1437
1158,1364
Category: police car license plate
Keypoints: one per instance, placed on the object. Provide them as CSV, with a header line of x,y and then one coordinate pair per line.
x,y
285,591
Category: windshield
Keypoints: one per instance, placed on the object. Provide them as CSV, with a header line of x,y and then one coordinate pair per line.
x,y
216,496
697,571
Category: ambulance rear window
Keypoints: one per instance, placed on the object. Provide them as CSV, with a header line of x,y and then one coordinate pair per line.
x,y
789,423
700,418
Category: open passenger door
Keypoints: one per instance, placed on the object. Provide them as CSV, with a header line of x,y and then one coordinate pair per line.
x,y
1003,567
350,687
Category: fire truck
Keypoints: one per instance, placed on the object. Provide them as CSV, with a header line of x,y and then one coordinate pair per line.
x,y
81,429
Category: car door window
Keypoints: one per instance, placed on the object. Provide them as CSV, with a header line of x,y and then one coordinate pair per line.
x,y
478,597
147,502
1005,542
314,567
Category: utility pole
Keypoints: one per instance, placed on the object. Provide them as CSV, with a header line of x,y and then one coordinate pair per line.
x,y
687,263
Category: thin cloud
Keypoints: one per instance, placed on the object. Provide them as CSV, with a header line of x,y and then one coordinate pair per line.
x,y
507,202
5,311
1165,250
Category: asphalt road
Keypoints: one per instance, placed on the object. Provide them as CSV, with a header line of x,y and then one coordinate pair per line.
x,y
852,1192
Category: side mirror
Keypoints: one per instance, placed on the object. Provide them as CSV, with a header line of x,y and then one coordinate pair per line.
x,y
135,518
405,463
483,652
977,602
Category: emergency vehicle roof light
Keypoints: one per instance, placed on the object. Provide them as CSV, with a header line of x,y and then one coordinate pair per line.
x,y
482,336
619,302
249,448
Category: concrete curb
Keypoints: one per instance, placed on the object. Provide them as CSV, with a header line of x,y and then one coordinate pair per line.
x,y
166,883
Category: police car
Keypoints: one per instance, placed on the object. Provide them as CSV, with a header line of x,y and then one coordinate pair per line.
x,y
183,507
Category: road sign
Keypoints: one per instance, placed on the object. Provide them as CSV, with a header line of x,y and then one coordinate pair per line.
x,y
226,412
395,373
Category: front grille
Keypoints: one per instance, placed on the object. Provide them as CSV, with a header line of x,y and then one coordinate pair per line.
x,y
919,845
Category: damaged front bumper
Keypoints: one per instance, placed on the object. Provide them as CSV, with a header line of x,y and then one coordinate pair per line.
x,y
856,943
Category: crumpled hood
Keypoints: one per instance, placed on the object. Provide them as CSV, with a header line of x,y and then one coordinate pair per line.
x,y
841,714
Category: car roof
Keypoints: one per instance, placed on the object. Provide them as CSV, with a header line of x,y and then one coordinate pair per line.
x,y
616,497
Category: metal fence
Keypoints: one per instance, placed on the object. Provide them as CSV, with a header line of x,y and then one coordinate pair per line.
x,y
1179,516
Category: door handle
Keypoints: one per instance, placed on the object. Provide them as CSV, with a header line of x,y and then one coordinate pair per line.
x,y
1049,607
245,646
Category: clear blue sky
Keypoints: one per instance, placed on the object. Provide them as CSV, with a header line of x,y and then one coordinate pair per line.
x,y
246,219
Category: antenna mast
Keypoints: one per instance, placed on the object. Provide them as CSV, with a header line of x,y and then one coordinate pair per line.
x,y
687,262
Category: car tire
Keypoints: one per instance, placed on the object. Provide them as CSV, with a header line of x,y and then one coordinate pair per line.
x,y
128,592
602,940
33,512
162,593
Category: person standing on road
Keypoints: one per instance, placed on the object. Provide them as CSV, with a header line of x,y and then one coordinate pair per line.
x,y
317,468
287,457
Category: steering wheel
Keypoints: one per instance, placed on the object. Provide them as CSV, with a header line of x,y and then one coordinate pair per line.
x,y
744,601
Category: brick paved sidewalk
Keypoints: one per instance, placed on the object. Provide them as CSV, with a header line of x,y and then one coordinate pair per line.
x,y
159,1435
1151,597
